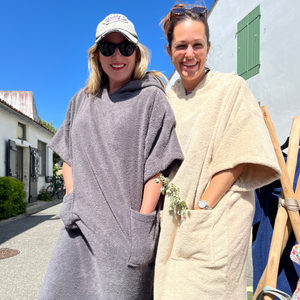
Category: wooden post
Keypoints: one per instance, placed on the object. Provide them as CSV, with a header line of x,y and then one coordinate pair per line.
x,y
293,148
288,231
280,232
291,167
261,284
297,192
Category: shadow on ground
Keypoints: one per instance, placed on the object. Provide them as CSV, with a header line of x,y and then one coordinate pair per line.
x,y
12,229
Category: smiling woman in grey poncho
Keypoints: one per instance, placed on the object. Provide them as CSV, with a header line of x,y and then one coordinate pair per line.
x,y
118,135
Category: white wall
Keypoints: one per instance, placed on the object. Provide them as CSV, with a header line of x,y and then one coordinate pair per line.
x,y
172,80
8,130
277,86
22,101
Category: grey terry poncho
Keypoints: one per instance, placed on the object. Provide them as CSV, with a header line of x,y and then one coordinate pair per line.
x,y
114,143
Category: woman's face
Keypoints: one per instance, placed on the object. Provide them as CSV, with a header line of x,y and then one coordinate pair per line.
x,y
188,52
117,67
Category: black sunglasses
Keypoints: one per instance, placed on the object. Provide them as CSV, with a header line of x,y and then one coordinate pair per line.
x,y
108,49
200,10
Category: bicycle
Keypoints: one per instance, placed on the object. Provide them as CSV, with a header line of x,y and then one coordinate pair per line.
x,y
57,186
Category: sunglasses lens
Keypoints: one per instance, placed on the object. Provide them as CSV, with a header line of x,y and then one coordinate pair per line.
x,y
111,49
196,9
127,49
108,49
199,9
178,10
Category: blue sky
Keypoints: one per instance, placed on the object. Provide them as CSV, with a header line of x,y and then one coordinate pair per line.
x,y
43,45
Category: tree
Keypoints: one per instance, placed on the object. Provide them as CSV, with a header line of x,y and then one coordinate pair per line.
x,y
47,125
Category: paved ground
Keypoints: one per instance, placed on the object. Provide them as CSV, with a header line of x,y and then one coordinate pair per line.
x,y
34,236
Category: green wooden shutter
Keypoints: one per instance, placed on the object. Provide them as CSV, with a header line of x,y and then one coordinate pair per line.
x,y
254,42
248,42
242,41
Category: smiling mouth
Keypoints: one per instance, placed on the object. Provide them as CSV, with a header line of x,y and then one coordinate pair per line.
x,y
118,66
190,65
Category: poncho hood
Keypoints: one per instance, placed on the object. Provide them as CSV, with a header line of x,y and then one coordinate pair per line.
x,y
209,83
149,80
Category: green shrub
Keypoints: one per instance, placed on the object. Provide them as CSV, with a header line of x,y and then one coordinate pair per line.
x,y
44,195
12,197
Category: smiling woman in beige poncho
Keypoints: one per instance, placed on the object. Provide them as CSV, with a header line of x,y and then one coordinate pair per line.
x,y
228,153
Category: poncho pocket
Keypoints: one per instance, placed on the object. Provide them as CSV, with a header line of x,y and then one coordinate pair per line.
x,y
66,212
144,237
194,238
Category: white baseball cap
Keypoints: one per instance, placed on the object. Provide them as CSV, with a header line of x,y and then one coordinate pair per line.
x,y
116,23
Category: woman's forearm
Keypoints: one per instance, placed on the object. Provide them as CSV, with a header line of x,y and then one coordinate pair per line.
x,y
152,191
68,177
220,184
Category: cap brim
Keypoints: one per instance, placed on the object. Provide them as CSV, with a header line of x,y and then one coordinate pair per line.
x,y
128,36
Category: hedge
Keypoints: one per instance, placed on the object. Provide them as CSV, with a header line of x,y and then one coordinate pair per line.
x,y
12,197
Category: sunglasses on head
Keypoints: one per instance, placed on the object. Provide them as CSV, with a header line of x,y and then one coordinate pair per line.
x,y
200,10
108,49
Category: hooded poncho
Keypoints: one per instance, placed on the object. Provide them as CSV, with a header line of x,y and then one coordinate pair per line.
x,y
114,144
219,126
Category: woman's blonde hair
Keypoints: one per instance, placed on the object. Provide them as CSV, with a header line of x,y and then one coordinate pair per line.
x,y
97,76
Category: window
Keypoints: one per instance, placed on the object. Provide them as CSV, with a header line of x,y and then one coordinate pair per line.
x,y
42,158
248,43
21,131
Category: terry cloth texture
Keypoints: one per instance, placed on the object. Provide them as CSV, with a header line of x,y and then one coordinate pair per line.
x,y
266,202
219,126
114,143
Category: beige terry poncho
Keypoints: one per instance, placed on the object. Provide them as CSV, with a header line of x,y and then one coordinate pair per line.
x,y
219,125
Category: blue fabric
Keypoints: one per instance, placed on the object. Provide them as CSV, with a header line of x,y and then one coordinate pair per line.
x,y
266,201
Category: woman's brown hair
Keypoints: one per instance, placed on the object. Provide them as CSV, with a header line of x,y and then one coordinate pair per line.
x,y
171,20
